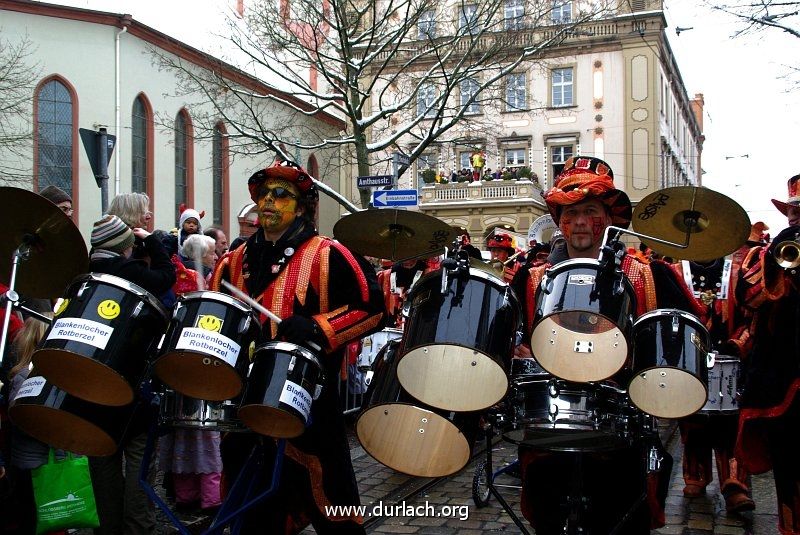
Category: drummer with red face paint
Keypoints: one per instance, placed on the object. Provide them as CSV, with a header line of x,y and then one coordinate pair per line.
x,y
327,296
584,202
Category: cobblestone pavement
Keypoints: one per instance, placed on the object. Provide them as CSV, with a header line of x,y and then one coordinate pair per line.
x,y
452,511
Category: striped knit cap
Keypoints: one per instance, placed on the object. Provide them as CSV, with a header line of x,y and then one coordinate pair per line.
x,y
111,234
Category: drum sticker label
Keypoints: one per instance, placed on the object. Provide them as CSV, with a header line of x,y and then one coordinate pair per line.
x,y
296,397
31,387
581,279
209,343
88,332
209,322
108,309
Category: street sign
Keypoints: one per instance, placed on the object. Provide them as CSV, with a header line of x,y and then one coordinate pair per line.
x,y
364,182
94,142
401,159
395,197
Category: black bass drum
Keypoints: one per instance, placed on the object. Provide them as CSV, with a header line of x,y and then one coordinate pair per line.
x,y
458,340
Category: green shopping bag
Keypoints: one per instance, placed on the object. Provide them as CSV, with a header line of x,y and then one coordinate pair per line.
x,y
63,494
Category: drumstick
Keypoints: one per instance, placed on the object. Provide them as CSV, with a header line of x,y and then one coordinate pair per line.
x,y
252,302
264,310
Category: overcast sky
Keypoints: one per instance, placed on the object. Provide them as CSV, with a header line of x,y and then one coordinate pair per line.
x,y
750,109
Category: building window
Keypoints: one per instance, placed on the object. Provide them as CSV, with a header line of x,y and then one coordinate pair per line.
x,y
465,160
514,14
469,88
426,99
561,86
140,118
54,136
562,12
426,162
559,154
427,25
468,18
515,157
219,165
516,92
184,156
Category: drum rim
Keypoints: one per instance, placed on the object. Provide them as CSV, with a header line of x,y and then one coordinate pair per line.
x,y
217,296
593,263
125,285
289,347
671,312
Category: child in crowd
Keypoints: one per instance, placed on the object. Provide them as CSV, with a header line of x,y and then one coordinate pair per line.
x,y
188,224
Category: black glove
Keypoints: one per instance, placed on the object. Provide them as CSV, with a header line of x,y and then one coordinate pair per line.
x,y
787,234
300,330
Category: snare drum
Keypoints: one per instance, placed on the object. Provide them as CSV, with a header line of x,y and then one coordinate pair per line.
x,y
98,345
406,435
459,338
282,383
177,410
723,384
582,321
670,363
206,350
556,415
64,421
371,346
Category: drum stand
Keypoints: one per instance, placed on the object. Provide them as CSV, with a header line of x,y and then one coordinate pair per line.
x,y
240,498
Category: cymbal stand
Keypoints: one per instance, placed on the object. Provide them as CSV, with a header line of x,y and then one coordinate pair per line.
x,y
21,254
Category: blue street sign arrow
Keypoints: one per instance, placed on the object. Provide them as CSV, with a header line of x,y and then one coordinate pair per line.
x,y
395,197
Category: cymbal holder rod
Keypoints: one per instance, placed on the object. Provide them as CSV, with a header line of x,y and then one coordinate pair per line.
x,y
21,254
621,231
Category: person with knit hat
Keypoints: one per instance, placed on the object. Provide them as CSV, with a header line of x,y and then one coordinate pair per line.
x,y
59,197
328,297
583,202
129,511
769,406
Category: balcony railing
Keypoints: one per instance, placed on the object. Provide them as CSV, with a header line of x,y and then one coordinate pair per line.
x,y
487,191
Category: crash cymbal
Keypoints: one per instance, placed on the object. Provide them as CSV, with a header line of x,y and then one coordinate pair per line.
x,y
393,234
716,224
57,250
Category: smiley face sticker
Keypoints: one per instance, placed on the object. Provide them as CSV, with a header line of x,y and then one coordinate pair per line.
x,y
108,309
209,322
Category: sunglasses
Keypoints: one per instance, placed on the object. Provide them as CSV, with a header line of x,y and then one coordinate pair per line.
x,y
277,192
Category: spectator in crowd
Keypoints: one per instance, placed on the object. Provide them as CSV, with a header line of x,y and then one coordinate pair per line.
x,y
59,197
220,240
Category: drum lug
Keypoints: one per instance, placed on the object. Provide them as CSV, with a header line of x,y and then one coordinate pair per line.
x,y
675,324
83,288
177,309
245,324
318,390
138,309
292,362
711,359
654,460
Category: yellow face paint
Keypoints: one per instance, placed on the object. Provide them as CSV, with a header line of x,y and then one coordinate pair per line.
x,y
275,215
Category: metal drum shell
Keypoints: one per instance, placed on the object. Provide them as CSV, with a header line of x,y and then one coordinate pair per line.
x,y
723,386
372,345
107,368
216,369
409,436
458,345
184,412
268,405
63,421
580,314
670,370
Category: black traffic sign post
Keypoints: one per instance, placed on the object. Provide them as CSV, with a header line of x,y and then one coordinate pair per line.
x,y
99,148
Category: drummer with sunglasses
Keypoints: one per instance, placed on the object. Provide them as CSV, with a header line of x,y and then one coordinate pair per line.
x,y
327,297
583,203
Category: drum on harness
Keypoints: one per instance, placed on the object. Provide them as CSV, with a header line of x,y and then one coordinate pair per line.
x,y
98,344
53,416
206,349
553,414
406,435
458,339
283,381
670,363
582,321
723,386
183,412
